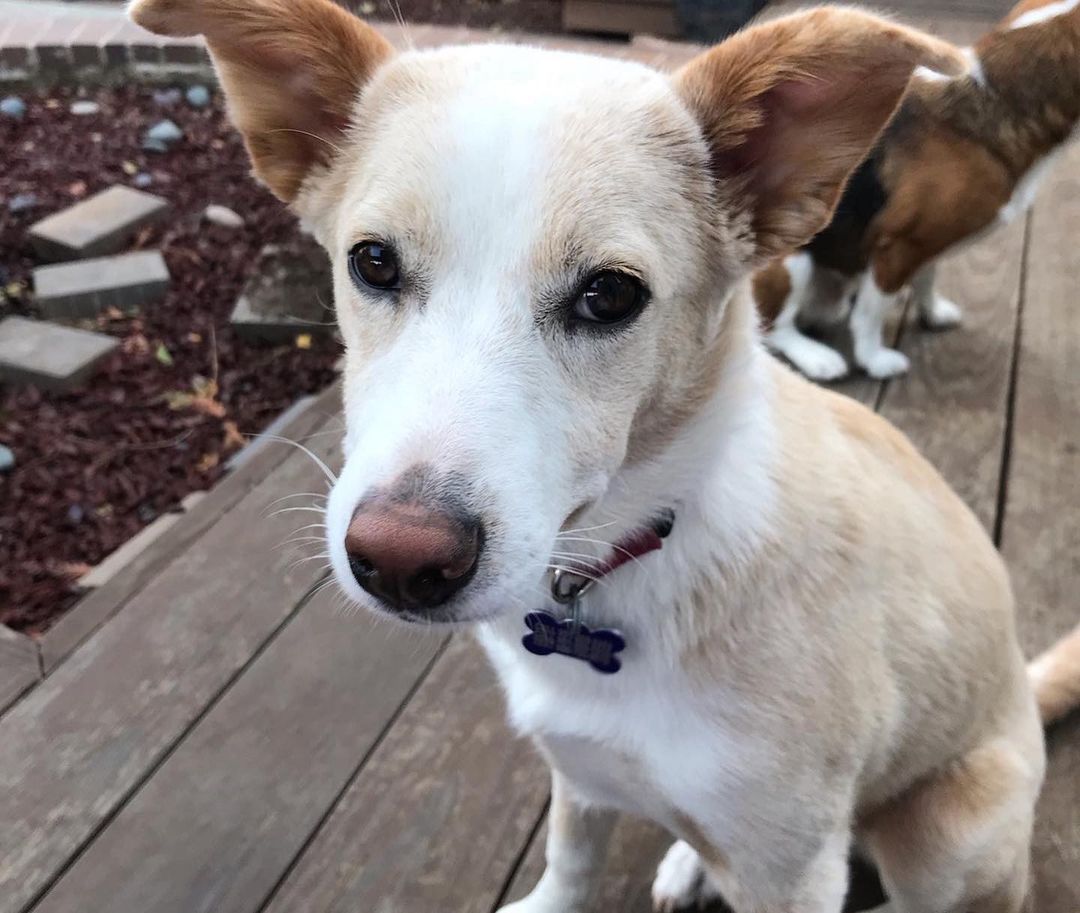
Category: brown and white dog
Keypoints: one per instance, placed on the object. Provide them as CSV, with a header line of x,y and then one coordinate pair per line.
x,y
541,270
964,153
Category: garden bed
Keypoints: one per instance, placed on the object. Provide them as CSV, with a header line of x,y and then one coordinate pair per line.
x,y
162,414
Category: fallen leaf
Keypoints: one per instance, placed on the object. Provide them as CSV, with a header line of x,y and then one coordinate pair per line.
x,y
303,341
52,103
13,290
163,355
194,338
78,189
130,168
207,462
204,387
233,437
178,399
208,406
73,570
136,344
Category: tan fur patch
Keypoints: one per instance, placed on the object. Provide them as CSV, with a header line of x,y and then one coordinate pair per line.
x,y
690,831
772,285
941,189
790,107
956,151
1056,677
292,70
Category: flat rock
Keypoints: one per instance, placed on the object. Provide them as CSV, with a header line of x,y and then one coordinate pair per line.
x,y
198,96
223,216
21,202
12,106
291,292
162,136
101,224
47,355
87,287
84,108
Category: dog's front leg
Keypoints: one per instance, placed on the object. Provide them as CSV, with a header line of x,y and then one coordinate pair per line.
x,y
576,845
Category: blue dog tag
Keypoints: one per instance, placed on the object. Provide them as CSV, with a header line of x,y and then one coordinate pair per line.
x,y
570,637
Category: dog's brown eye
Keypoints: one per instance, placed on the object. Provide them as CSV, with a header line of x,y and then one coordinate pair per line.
x,y
375,265
610,297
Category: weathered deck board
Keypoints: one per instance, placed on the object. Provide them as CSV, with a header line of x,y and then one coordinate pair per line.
x,y
19,667
437,818
73,749
256,775
1041,528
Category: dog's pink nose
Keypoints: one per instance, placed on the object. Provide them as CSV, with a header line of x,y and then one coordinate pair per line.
x,y
412,556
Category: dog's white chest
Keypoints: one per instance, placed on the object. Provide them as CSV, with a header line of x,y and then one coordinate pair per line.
x,y
640,741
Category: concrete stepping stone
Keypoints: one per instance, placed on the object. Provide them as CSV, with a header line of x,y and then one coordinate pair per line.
x,y
290,292
85,288
101,224
49,356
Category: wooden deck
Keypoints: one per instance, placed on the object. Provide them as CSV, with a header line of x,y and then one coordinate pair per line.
x,y
226,742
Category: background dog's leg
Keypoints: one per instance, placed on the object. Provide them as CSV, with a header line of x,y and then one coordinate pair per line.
x,y
815,359
576,845
867,324
936,312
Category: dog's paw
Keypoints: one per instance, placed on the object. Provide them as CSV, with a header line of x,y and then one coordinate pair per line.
x,y
681,881
885,363
942,314
814,359
822,363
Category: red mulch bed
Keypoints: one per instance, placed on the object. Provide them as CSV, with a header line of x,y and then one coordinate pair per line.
x,y
96,465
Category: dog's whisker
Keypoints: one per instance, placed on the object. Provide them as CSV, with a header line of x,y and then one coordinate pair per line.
x,y
315,458
321,139
298,494
584,529
289,510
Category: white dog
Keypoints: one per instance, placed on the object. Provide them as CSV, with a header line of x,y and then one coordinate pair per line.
x,y
553,360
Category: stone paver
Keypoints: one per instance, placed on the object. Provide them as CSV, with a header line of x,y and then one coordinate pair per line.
x,y
49,356
290,292
87,287
101,224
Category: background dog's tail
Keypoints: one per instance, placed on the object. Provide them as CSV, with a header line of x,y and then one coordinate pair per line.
x,y
1056,677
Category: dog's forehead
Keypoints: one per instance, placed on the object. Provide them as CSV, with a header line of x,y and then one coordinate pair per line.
x,y
459,134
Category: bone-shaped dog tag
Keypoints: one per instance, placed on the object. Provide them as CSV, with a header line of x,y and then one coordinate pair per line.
x,y
571,638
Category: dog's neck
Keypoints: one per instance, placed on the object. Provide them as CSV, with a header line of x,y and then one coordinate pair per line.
x,y
1031,79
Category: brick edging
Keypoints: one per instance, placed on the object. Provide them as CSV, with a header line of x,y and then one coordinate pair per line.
x,y
49,42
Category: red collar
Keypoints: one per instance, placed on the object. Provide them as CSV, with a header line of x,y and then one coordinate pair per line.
x,y
635,544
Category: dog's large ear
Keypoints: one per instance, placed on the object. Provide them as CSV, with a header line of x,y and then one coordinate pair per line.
x,y
790,108
291,71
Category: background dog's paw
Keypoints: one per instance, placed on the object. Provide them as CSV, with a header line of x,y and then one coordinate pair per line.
x,y
681,882
814,359
942,314
885,363
821,363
